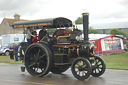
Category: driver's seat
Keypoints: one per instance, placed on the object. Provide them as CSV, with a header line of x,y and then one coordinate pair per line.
x,y
59,32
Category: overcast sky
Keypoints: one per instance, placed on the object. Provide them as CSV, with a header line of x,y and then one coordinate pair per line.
x,y
101,11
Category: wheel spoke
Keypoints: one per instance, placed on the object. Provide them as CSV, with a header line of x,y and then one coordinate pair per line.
x,y
34,55
78,63
36,70
86,69
42,56
32,64
38,54
42,69
83,72
35,58
79,73
95,70
84,66
38,65
97,62
98,69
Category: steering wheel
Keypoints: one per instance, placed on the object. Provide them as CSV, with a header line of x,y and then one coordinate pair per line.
x,y
59,32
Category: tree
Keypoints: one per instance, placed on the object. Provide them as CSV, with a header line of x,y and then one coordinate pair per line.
x,y
118,32
92,31
79,20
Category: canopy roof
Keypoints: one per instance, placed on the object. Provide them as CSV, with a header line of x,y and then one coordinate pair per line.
x,y
50,22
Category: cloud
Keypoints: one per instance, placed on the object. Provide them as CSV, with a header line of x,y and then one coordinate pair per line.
x,y
7,5
23,7
100,10
124,3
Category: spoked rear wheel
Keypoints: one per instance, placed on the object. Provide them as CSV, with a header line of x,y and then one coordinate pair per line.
x,y
38,59
81,68
99,67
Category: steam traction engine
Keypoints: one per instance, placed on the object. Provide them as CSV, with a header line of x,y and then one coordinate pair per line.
x,y
59,52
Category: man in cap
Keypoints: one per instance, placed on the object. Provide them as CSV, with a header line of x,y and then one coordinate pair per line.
x,y
42,32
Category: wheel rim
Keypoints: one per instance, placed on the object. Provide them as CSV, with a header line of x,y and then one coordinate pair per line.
x,y
99,67
36,61
7,53
81,69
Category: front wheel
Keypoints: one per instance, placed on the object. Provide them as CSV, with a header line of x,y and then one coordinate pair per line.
x,y
81,68
99,67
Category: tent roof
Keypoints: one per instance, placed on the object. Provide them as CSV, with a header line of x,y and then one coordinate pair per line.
x,y
101,36
112,36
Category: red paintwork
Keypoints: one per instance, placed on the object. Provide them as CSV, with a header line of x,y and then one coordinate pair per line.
x,y
109,52
97,44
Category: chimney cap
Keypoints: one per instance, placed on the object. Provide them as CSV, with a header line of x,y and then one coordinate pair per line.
x,y
16,14
86,13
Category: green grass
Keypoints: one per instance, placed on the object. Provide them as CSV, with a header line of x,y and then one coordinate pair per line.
x,y
6,59
117,61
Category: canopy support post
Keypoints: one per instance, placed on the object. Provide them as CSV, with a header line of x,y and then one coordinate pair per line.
x,y
24,33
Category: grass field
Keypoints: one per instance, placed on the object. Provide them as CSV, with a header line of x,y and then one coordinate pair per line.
x,y
6,59
115,61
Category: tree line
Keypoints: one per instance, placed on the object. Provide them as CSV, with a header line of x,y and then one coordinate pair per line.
x,y
114,31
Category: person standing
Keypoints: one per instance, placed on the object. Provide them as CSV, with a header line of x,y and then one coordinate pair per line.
x,y
29,35
16,51
11,53
34,39
42,32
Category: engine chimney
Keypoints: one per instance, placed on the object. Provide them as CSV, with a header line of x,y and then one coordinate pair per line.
x,y
85,26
